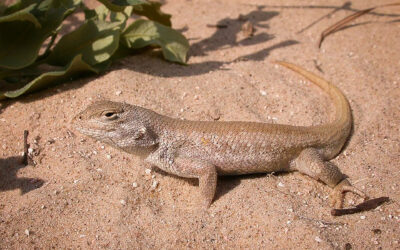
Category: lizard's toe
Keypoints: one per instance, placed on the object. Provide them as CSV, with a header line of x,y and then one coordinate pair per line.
x,y
337,195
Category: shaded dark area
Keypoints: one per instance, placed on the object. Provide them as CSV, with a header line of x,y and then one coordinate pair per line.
x,y
364,206
227,183
226,38
222,39
345,6
8,176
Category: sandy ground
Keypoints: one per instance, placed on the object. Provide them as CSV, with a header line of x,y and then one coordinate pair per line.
x,y
81,193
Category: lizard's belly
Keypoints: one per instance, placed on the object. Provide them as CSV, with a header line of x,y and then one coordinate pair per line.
x,y
246,160
251,164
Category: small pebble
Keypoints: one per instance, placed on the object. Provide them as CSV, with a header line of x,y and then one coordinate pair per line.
x,y
147,171
154,184
318,239
135,185
27,232
108,157
280,184
123,202
119,92
362,217
263,92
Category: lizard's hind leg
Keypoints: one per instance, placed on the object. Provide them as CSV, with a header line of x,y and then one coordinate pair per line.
x,y
310,162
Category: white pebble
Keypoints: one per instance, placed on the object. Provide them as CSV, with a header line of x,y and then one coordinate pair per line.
x,y
30,151
99,170
154,184
147,171
76,181
362,217
280,184
27,232
263,92
135,185
123,202
108,156
318,239
119,92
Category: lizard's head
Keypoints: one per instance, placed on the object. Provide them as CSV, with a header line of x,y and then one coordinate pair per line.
x,y
118,124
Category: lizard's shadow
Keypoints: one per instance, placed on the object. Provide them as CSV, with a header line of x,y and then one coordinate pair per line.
x,y
224,185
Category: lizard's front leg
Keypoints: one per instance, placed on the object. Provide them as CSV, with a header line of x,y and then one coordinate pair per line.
x,y
166,160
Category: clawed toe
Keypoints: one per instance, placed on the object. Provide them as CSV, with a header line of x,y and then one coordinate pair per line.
x,y
339,191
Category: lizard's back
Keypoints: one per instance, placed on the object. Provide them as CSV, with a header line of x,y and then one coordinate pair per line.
x,y
242,147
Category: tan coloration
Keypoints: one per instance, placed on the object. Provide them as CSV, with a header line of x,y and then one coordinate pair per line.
x,y
203,149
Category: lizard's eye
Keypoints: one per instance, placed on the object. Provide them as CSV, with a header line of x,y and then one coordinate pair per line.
x,y
110,115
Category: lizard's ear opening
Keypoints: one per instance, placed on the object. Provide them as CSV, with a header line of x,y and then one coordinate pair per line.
x,y
140,133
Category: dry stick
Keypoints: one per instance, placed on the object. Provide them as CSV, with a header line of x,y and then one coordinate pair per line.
x,y
26,146
364,206
337,26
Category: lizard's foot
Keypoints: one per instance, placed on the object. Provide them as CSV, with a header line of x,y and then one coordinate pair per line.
x,y
337,195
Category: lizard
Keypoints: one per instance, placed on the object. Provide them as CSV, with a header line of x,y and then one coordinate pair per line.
x,y
206,149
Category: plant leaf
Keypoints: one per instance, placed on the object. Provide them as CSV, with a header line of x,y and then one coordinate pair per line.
x,y
143,33
76,67
96,40
119,5
20,41
22,15
99,13
152,11
122,16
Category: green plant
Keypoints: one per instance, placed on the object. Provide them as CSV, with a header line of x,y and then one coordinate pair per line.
x,y
26,26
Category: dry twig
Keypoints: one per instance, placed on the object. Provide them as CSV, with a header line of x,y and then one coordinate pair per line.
x,y
339,25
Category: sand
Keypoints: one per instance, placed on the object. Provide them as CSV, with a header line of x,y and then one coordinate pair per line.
x,y
84,194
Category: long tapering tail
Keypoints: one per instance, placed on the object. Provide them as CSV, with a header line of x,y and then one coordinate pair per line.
x,y
337,131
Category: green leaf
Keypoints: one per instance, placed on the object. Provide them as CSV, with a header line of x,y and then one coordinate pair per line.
x,y
152,11
143,33
99,13
119,5
22,15
20,41
96,40
122,16
76,67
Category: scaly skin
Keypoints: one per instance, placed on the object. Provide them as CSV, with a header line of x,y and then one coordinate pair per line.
x,y
205,149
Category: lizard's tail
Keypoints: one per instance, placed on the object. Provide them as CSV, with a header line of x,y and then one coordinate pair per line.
x,y
335,133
